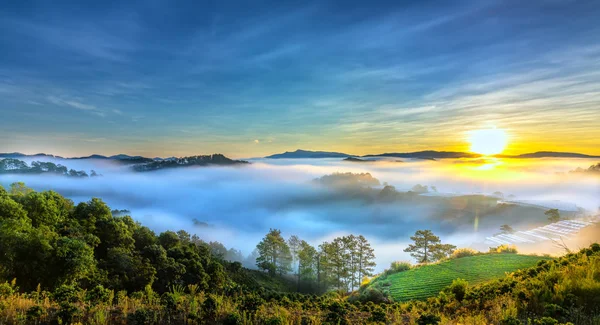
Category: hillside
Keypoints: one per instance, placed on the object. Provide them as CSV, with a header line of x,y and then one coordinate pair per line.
x,y
308,154
202,160
427,281
427,154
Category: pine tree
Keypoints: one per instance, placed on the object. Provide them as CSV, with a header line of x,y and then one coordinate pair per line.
x,y
307,262
294,245
274,254
365,257
428,247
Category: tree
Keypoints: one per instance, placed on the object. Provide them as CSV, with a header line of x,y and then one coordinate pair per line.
x,y
294,244
506,229
274,254
553,215
428,247
420,188
307,260
365,258
217,249
441,251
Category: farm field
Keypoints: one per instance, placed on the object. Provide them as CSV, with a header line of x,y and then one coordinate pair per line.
x,y
426,281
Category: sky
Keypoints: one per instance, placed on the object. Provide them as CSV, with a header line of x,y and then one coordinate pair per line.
x,y
251,78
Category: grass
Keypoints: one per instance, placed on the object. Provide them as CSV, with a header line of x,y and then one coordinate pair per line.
x,y
427,281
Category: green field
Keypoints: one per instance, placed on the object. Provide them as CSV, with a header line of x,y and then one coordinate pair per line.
x,y
429,280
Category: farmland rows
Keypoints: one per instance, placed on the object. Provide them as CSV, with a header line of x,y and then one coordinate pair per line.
x,y
429,280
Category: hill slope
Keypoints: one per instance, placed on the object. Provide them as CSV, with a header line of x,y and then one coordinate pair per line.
x,y
308,154
427,281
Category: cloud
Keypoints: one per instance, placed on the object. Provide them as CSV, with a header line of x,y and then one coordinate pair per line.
x,y
243,203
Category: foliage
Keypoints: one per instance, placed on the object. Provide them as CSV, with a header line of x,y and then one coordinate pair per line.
x,y
464,252
82,265
274,254
553,215
16,166
507,249
398,266
428,280
349,180
428,247
506,229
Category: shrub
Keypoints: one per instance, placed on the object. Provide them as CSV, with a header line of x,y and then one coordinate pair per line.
x,y
507,249
337,314
99,294
141,316
365,281
555,311
66,293
378,315
510,320
545,321
274,320
6,289
464,252
232,318
68,312
459,288
398,266
35,312
428,319
369,295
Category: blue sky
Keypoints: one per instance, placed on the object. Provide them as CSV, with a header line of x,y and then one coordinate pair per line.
x,y
250,78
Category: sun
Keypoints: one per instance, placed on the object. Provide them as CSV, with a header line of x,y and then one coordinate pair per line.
x,y
488,141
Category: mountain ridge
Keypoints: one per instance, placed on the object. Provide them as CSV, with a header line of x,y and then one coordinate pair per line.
x,y
424,154
305,154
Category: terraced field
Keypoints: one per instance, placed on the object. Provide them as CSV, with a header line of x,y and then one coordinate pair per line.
x,y
427,281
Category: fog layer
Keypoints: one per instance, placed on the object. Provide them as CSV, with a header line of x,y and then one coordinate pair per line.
x,y
241,203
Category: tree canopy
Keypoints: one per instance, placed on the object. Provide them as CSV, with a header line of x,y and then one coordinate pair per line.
x,y
428,247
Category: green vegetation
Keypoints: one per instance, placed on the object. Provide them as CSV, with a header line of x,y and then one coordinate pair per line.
x,y
428,280
348,180
201,160
16,166
63,263
553,215
428,247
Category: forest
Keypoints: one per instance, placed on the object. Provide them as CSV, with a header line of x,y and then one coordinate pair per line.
x,y
67,263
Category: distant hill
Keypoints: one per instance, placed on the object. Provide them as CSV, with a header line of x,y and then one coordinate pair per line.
x,y
22,155
428,154
354,159
308,154
549,154
298,154
16,166
427,281
10,164
203,160
593,169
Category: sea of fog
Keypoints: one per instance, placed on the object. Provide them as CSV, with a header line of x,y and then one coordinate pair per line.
x,y
241,203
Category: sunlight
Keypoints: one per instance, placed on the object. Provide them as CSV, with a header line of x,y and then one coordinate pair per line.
x,y
488,141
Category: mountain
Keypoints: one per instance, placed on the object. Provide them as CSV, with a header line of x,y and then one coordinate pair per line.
x,y
90,157
22,155
428,154
124,156
354,159
308,154
203,160
10,164
549,154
